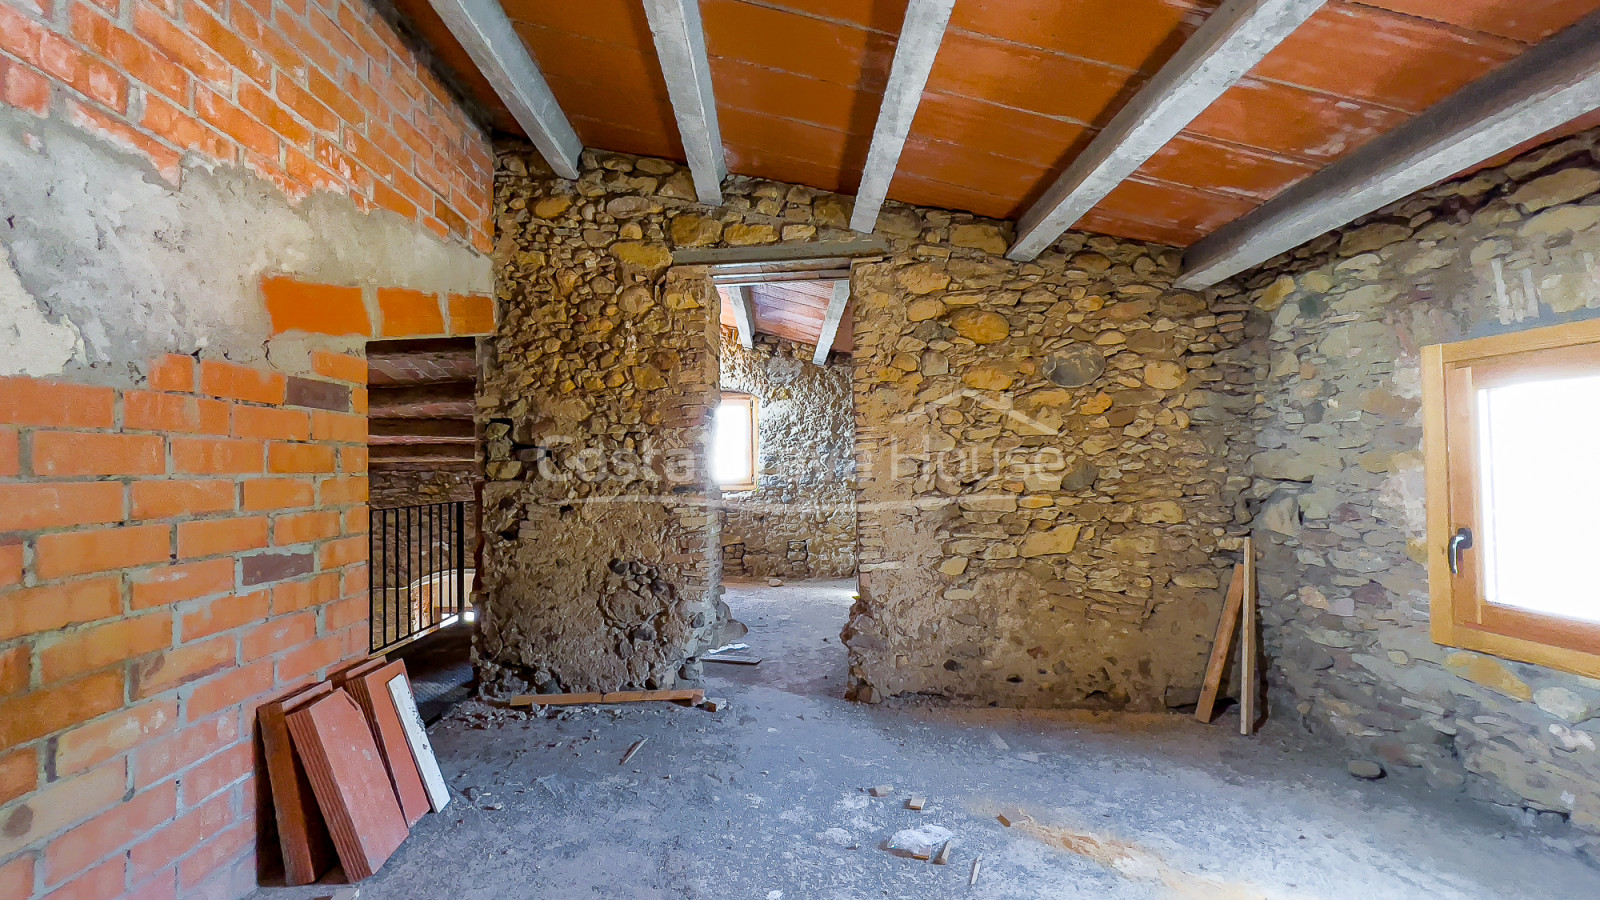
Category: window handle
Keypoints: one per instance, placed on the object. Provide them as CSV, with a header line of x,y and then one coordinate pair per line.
x,y
1461,541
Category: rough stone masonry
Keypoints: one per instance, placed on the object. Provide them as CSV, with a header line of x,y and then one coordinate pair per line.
x,y
1043,450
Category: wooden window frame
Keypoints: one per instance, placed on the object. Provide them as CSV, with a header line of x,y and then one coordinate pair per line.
x,y
755,438
1460,616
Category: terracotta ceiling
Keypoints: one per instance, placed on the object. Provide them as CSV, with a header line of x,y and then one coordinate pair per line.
x,y
1018,88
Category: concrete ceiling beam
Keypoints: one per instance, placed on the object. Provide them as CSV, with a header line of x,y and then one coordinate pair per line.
x,y
744,314
681,48
1230,43
920,36
486,34
1553,83
831,321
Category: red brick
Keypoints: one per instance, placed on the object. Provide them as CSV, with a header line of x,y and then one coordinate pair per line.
x,y
34,506
347,612
177,583
116,130
10,564
315,308
156,762
230,688
340,427
301,528
167,499
235,382
48,710
55,606
353,460
98,646
213,537
129,53
101,550
217,773
67,453
339,366
173,373
10,454
278,635
307,107
181,47
83,73
179,127
342,552
26,89
30,401
344,490
357,521
152,411
215,854
278,493
14,673
216,35
471,314
164,886
359,399
287,458
103,882
16,877
408,313
313,657
271,423
295,595
174,841
204,456
224,614
61,804
92,744
164,671
19,774
270,113
84,845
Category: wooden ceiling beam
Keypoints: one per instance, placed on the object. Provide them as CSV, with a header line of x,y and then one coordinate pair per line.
x,y
744,314
831,320
1551,84
486,34
920,36
681,48
1230,43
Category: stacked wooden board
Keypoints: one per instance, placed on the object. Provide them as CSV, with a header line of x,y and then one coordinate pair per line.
x,y
350,770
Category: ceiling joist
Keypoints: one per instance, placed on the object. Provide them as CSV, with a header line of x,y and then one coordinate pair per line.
x,y
486,34
744,314
920,36
1230,43
1552,84
831,320
681,47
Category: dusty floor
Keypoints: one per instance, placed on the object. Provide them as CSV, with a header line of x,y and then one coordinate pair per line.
x,y
766,800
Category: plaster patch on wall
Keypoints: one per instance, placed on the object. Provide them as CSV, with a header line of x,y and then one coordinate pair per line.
x,y
139,269
30,344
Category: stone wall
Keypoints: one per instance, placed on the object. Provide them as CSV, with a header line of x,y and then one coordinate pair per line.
x,y
1047,455
800,521
1340,478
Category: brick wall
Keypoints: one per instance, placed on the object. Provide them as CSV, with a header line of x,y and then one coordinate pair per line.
x,y
170,556
309,94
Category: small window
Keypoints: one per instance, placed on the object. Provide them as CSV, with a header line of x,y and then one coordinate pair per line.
x,y
1513,456
734,450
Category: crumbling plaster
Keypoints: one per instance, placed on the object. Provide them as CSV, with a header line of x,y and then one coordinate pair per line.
x,y
800,521
1339,475
106,266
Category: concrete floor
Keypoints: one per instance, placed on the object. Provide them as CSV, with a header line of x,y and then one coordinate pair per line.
x,y
766,800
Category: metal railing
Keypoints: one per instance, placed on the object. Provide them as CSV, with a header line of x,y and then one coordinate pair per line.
x,y
419,573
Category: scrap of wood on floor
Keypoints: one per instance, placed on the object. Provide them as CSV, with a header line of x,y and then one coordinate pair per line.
x,y
684,696
1240,604
735,654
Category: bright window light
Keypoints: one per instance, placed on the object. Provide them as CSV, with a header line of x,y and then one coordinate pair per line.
x,y
1538,442
733,453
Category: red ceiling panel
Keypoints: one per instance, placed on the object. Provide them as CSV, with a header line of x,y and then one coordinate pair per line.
x,y
1293,121
1383,58
1129,34
1189,159
1024,78
742,85
778,39
920,191
1523,20
1183,208
998,130
955,164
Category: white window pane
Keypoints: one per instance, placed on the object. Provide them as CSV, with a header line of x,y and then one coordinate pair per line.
x,y
731,460
1540,489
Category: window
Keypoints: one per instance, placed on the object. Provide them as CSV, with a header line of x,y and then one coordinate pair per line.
x,y
733,458
1513,456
